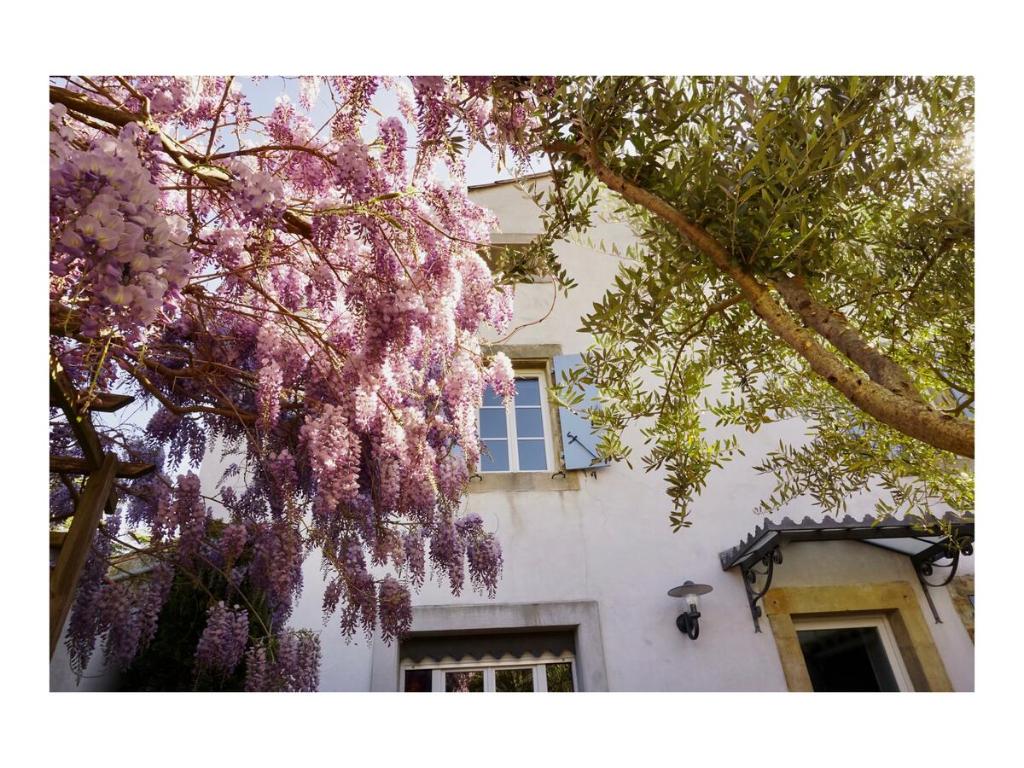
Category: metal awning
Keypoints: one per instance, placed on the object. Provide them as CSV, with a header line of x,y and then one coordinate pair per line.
x,y
930,544
436,646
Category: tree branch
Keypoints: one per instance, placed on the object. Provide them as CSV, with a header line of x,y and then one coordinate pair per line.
x,y
185,159
912,418
834,326
943,249
244,417
696,329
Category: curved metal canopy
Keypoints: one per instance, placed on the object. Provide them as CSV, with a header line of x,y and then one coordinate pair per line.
x,y
924,541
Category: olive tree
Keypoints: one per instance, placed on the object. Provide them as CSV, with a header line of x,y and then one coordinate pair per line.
x,y
805,249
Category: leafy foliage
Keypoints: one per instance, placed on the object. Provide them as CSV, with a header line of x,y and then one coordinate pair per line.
x,y
845,201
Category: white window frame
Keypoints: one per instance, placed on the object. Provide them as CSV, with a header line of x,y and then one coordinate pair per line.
x,y
489,665
540,375
879,622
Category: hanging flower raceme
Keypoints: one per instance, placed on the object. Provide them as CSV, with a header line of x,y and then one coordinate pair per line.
x,y
292,666
501,377
191,512
224,639
115,255
395,609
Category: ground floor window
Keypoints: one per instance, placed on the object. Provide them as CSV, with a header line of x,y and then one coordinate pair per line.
x,y
852,654
548,674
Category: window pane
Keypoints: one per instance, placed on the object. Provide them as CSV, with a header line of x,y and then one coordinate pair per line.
x,y
464,682
532,455
490,397
559,677
494,456
493,423
527,392
418,680
529,422
848,659
513,680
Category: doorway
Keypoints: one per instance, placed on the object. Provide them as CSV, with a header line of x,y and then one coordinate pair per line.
x,y
852,654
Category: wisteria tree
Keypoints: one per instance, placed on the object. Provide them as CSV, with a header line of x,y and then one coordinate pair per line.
x,y
300,302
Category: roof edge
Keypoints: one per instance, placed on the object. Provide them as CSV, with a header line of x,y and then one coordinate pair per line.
x,y
514,180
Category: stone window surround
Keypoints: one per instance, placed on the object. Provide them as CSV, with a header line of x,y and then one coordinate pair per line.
x,y
961,590
536,357
583,615
895,600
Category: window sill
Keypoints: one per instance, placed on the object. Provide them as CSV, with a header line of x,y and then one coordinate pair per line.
x,y
524,481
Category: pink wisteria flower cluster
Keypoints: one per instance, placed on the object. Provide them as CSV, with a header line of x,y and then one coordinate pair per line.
x,y
298,296
110,241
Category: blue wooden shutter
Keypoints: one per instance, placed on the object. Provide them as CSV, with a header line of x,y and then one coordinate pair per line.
x,y
579,441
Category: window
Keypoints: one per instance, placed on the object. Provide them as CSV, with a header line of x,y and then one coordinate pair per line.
x,y
549,673
524,660
517,262
516,437
852,654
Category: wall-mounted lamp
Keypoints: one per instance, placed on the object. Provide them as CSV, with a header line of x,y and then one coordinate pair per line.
x,y
688,622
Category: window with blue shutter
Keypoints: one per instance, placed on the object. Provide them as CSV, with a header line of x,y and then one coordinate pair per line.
x,y
579,440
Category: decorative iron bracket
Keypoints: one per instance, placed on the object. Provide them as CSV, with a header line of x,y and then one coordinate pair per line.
x,y
770,559
574,439
927,561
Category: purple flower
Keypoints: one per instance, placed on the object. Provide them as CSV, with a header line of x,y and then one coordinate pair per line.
x,y
395,609
224,639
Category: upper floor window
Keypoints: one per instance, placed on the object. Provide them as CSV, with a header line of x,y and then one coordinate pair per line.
x,y
517,437
515,261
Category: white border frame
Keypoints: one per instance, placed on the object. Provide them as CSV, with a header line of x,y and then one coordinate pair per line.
x,y
879,622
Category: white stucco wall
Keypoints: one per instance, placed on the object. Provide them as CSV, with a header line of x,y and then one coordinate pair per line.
x,y
610,541
97,676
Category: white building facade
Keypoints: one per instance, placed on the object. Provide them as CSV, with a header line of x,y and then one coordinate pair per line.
x,y
589,557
